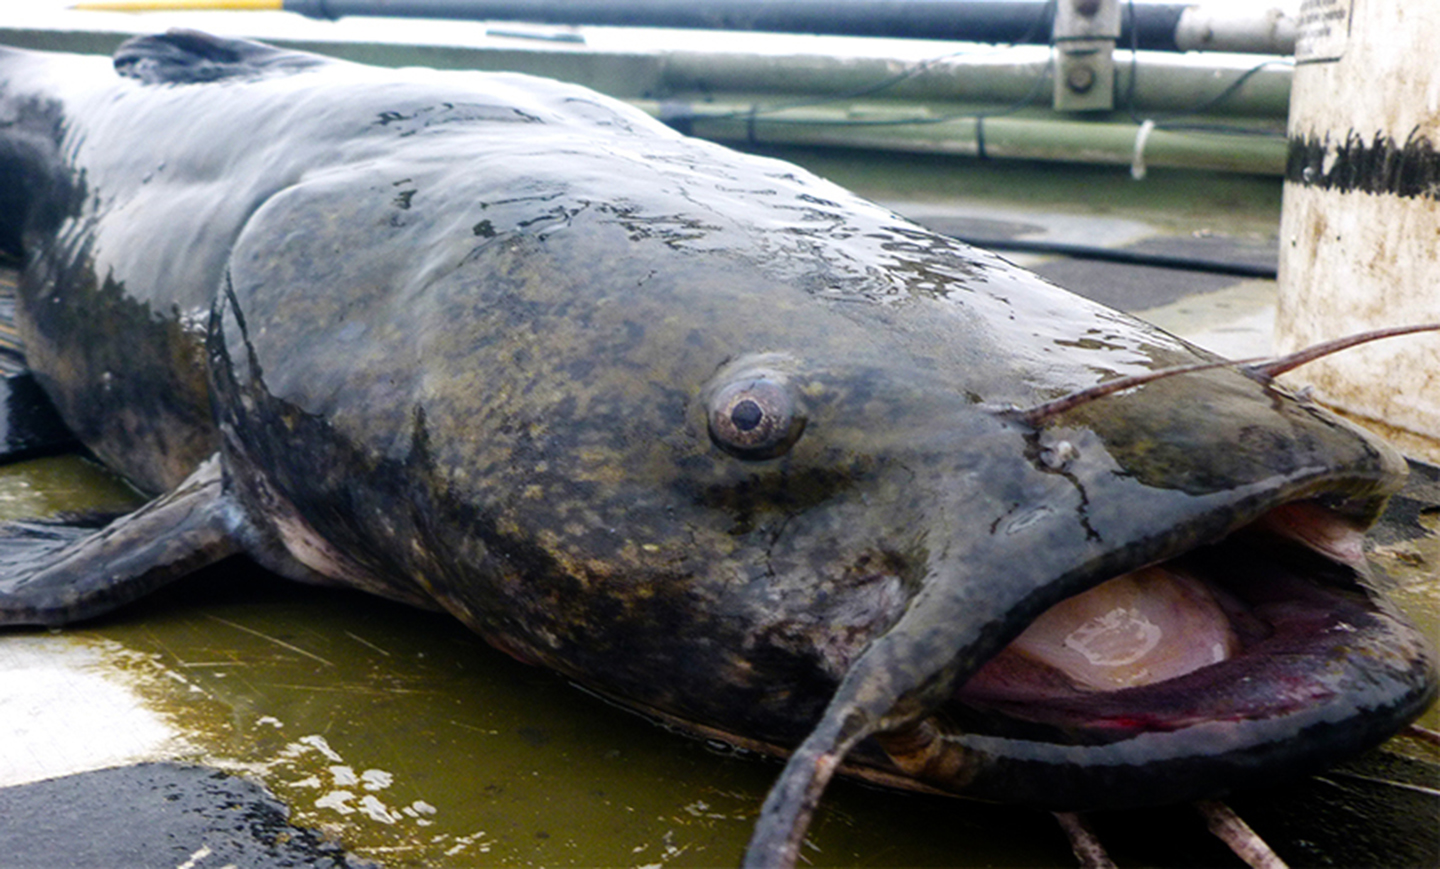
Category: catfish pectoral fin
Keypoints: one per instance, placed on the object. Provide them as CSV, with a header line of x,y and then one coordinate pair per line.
x,y
56,574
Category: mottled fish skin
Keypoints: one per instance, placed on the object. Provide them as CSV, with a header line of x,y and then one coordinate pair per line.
x,y
452,335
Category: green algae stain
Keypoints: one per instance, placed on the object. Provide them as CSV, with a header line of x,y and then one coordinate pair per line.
x,y
60,484
1414,568
410,741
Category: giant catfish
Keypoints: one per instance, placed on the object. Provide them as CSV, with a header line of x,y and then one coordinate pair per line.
x,y
699,430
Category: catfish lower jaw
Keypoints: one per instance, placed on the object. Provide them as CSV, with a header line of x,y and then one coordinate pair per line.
x,y
1313,669
1240,630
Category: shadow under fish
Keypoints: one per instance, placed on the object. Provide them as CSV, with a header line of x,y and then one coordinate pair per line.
x,y
699,430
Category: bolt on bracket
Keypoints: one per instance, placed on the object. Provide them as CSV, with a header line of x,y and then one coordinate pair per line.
x,y
1085,34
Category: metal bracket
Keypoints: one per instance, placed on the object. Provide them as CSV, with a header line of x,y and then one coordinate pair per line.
x,y
1085,34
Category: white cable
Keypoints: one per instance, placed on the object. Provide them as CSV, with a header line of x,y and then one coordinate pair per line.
x,y
1137,162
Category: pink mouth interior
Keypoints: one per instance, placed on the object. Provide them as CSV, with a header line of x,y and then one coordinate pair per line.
x,y
1137,629
1173,631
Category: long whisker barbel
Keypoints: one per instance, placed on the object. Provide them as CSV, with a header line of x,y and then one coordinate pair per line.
x,y
1259,366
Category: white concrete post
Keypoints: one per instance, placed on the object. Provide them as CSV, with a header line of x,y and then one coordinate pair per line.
x,y
1360,229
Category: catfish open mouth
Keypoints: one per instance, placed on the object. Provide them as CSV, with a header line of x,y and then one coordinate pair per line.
x,y
1251,659
1254,639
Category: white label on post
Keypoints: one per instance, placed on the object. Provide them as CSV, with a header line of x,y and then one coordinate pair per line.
x,y
1323,30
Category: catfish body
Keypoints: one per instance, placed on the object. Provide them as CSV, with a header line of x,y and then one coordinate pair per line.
x,y
704,432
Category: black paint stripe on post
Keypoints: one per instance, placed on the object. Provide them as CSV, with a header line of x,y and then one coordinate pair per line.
x,y
1380,165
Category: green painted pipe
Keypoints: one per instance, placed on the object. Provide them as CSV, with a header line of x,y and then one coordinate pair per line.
x,y
912,130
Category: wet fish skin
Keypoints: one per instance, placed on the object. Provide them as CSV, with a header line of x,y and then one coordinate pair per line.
x,y
451,336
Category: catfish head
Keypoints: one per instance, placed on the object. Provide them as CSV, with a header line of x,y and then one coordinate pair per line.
x,y
1080,652
730,446
1147,591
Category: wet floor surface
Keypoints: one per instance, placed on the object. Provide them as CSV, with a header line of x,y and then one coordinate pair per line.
x,y
400,738
157,814
401,735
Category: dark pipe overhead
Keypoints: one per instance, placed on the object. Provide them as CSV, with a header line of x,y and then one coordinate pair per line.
x,y
994,21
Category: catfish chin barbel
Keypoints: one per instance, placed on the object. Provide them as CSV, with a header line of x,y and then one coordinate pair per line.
x,y
701,431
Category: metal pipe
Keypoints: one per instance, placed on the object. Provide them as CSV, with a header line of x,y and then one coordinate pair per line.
x,y
994,21
1019,137
1162,83
1152,26
929,106
1261,31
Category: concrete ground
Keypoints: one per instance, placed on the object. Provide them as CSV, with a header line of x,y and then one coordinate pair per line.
x,y
1229,314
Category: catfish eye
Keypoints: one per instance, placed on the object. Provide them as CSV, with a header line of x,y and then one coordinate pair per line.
x,y
755,417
